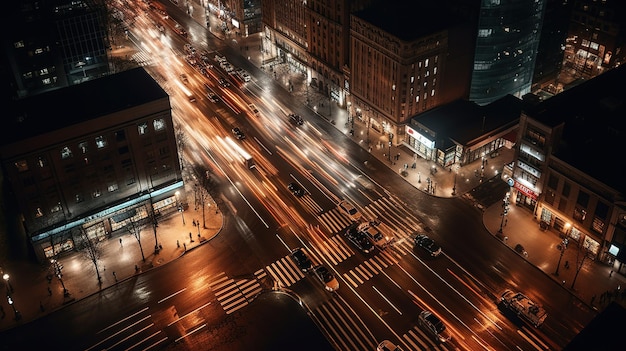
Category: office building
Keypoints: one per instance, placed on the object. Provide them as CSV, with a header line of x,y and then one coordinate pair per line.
x,y
242,17
89,158
566,168
52,44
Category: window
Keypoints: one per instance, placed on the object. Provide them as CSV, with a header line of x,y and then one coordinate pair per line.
x,y
159,124
583,199
83,147
21,165
580,214
96,193
18,44
79,198
553,181
101,142
43,71
123,150
142,128
38,212
66,152
56,208
120,135
113,187
566,189
41,162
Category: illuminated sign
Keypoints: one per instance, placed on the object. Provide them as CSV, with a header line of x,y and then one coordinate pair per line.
x,y
419,137
525,190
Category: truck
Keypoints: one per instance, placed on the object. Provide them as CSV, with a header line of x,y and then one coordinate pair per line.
x,y
524,307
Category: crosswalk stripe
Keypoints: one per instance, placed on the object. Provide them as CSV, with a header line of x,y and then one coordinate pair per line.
x,y
366,263
381,261
422,345
274,276
347,277
287,271
337,317
356,276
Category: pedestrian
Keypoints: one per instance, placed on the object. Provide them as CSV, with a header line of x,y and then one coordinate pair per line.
x,y
177,244
566,264
185,246
611,273
121,242
136,268
190,237
593,298
198,236
49,291
114,275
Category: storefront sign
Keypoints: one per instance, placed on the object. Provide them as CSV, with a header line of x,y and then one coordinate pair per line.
x,y
420,138
525,190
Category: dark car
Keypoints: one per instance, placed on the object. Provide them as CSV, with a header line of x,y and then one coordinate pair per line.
x,y
296,189
359,239
213,97
302,260
296,119
427,244
327,278
238,133
434,326
224,83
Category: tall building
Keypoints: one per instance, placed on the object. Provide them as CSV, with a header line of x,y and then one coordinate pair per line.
x,y
88,158
49,44
399,56
565,164
243,17
506,48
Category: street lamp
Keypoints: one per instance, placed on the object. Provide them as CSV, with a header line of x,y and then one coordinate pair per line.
x,y
561,247
454,186
180,207
17,314
57,271
505,210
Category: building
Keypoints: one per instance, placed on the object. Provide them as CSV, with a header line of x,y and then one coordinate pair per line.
x,y
90,158
462,132
398,58
566,165
596,39
53,44
506,48
242,17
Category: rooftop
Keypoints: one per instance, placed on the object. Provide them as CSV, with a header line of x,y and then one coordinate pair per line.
x,y
57,109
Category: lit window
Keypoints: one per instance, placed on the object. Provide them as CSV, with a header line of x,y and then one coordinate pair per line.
x,y
393,87
426,63
79,198
142,128
159,124
66,152
43,71
101,142
21,165
412,79
18,44
112,188
96,194
38,212
56,208
435,70
27,75
38,51
42,162
83,147
432,92
417,98
46,81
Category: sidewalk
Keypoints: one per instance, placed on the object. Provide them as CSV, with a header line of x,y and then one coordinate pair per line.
x,y
34,296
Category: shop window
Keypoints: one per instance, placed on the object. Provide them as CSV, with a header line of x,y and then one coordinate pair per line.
x,y
66,152
21,165
101,142
579,214
158,124
142,128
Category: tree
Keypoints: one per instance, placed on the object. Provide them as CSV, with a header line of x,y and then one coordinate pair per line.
x,y
181,141
134,228
91,248
582,254
205,187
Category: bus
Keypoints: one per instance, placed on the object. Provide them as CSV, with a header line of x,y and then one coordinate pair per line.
x,y
245,156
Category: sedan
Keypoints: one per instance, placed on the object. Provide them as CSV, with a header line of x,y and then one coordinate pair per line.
x,y
428,245
328,279
296,189
238,133
434,326
302,260
359,239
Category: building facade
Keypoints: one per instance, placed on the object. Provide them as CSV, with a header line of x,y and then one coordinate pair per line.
x,y
564,165
506,48
53,44
111,159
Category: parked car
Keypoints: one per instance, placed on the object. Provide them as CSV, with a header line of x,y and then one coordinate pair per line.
x,y
296,189
301,259
238,133
296,119
427,244
349,210
359,239
326,277
433,326
387,345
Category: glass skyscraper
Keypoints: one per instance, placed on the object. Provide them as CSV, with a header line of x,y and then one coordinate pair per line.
x,y
506,48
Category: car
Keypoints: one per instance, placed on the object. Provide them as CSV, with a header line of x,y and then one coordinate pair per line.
x,y
433,326
184,78
238,133
296,189
349,209
371,231
301,259
213,97
296,119
224,83
326,277
387,345
359,239
427,244
253,109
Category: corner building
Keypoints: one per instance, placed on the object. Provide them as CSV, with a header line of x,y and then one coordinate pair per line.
x,y
90,158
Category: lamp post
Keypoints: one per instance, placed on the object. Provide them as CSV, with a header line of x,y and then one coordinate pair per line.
x,y
505,210
57,272
16,313
180,207
561,247
454,186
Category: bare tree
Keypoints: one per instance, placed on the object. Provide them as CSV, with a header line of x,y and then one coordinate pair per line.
x,y
205,188
181,141
134,228
583,254
92,249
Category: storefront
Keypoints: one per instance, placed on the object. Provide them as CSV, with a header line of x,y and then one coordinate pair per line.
x,y
552,219
422,145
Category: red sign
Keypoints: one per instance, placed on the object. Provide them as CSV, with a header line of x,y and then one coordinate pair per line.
x,y
525,190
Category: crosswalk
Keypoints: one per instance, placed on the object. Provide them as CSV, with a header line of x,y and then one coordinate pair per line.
x,y
135,332
371,267
234,294
142,59
285,272
343,326
419,340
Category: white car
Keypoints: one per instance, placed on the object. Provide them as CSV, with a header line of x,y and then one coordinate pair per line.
x,y
350,211
377,238
387,345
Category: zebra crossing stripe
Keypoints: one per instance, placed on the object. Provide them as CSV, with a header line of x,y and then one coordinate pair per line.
x,y
365,275
293,273
373,261
323,217
260,274
410,340
341,245
278,277
356,276
370,267
222,284
347,277
293,268
230,310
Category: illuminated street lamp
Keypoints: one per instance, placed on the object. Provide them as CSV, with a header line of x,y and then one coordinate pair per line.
x,y
57,271
505,210
561,247
17,313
